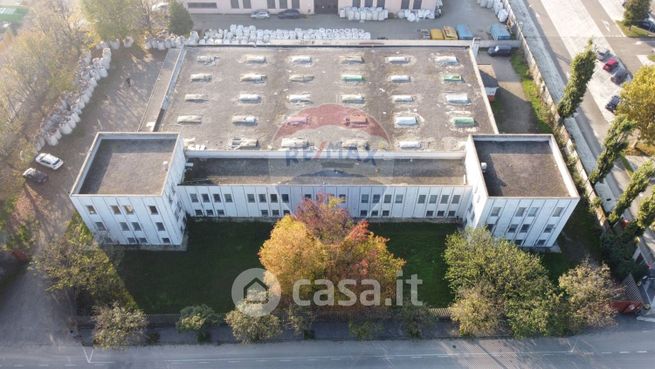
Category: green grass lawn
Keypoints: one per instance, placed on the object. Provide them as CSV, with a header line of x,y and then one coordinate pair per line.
x,y
531,91
165,282
634,31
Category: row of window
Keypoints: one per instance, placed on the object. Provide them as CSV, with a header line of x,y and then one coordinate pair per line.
x,y
495,211
234,4
375,199
136,226
128,209
144,241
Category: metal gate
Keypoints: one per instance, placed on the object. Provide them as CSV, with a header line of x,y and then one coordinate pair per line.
x,y
326,7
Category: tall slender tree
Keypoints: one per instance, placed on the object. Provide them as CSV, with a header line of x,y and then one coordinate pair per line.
x,y
638,102
646,215
179,19
582,68
635,11
615,143
638,183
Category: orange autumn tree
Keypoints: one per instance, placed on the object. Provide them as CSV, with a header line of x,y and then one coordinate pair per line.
x,y
321,241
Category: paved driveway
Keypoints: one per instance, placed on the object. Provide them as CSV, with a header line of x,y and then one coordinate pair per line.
x,y
28,314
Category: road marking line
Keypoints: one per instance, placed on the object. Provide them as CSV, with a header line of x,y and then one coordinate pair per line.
x,y
417,357
233,361
285,360
642,352
203,362
44,364
605,352
624,352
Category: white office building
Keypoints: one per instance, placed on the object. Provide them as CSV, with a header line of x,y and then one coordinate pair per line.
x,y
395,132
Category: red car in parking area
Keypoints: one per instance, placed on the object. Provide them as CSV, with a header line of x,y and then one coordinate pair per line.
x,y
611,64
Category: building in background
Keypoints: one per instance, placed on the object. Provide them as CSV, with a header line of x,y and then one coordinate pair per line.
x,y
304,6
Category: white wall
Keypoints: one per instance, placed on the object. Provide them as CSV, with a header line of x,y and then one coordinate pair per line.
x,y
225,6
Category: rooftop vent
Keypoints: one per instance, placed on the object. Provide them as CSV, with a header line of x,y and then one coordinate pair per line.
x,y
463,121
294,143
355,143
249,98
398,59
452,77
196,97
201,77
244,143
297,120
244,119
483,166
189,119
300,98
206,59
352,99
399,78
352,78
409,145
405,121
447,60
301,59
356,120
301,77
255,59
352,59
402,98
458,99
253,77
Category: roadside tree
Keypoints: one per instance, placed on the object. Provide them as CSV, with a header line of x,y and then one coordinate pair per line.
x,y
638,102
118,326
639,180
582,68
113,19
645,216
614,144
196,319
635,11
476,313
248,328
179,19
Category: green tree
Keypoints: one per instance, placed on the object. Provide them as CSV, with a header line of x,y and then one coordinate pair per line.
x,y
639,180
415,319
645,216
300,319
113,19
617,251
514,280
476,313
364,330
587,291
118,326
196,318
179,19
248,328
615,143
582,68
638,102
635,11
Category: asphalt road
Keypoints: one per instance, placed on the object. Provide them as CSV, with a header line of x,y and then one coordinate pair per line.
x,y
628,345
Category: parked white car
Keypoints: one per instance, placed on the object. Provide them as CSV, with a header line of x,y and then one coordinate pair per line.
x,y
49,160
260,14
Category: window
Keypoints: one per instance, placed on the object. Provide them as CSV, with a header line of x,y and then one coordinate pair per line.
x,y
160,226
490,227
417,4
404,4
342,197
246,4
451,213
264,213
251,198
202,5
194,197
365,199
101,226
470,208
432,199
541,242
170,199
283,4
512,228
381,4
262,197
525,228
228,197
295,4
455,199
518,242
210,213
309,196
374,213
131,240
217,197
270,4
495,211
533,212
136,226
198,213
166,240
549,228
558,211
520,212
286,212
205,197
368,3
220,212
91,209
441,213
115,209
376,199
153,210
385,213
124,226
234,4
429,213
421,199
273,197
399,199
444,199
357,3
363,213
387,199
285,198
128,209
143,240
276,213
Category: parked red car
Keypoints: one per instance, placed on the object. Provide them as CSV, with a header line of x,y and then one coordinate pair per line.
x,y
611,64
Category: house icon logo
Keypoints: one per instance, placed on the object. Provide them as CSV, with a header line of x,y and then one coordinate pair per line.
x,y
256,292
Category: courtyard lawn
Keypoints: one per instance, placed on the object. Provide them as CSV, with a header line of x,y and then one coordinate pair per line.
x,y
167,281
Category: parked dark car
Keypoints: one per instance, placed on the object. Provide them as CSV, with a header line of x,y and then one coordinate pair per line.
x,y
35,176
613,104
620,75
646,24
611,64
289,14
602,54
500,50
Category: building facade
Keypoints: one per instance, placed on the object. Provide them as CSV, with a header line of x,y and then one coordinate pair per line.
x,y
304,6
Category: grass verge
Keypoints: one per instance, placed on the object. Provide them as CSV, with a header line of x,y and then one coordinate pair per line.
x,y
532,92
634,31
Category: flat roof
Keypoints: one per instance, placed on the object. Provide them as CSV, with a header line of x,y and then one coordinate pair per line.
x,y
215,100
220,171
128,165
520,168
